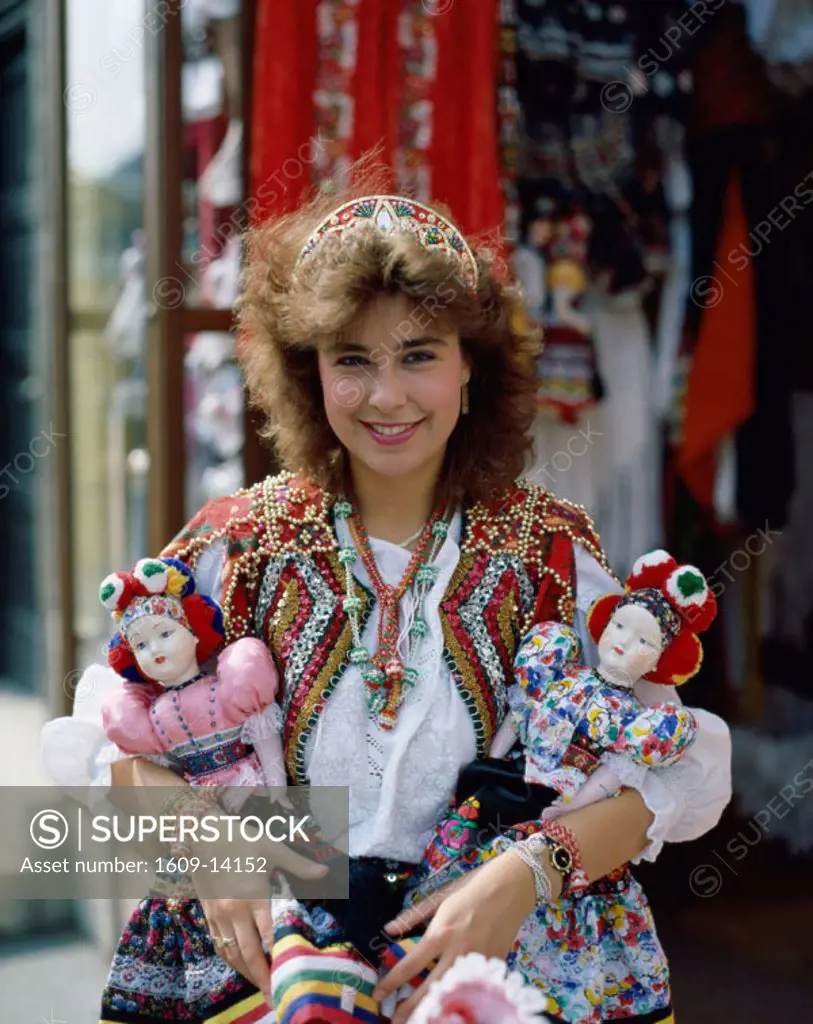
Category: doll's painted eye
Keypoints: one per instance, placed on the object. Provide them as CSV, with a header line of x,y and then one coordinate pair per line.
x,y
140,645
166,633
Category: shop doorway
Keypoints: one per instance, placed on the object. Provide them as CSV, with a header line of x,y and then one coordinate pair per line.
x,y
19,387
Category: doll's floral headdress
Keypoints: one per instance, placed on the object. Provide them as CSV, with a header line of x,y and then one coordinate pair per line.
x,y
679,598
390,214
164,587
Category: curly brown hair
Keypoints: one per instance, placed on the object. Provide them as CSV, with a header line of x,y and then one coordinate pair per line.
x,y
286,309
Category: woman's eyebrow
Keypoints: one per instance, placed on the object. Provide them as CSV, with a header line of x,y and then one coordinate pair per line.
x,y
347,346
426,339
344,345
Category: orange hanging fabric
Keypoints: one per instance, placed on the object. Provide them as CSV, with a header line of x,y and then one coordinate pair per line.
x,y
721,387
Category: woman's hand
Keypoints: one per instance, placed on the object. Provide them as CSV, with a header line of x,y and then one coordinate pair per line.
x,y
250,924
479,913
247,920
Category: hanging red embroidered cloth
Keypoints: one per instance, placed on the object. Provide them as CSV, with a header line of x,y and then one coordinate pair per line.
x,y
335,78
465,156
282,117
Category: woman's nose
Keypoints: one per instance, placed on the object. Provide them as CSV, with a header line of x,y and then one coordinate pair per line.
x,y
387,392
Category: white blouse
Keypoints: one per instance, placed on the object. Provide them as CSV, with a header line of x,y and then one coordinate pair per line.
x,y
401,780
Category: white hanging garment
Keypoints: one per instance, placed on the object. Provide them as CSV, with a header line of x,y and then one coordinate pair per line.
x,y
626,457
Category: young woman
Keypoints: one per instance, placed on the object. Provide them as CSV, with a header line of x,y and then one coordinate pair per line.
x,y
392,569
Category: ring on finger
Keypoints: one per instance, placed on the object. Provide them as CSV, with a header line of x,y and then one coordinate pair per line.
x,y
220,944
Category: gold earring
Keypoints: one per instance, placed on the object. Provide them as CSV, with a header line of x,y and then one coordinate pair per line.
x,y
464,398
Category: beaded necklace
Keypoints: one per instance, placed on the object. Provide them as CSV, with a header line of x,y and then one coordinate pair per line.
x,y
385,674
173,696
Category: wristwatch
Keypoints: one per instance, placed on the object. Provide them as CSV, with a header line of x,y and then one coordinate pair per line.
x,y
564,857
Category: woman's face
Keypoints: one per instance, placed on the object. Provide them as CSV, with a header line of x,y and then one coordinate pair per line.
x,y
392,388
164,650
631,645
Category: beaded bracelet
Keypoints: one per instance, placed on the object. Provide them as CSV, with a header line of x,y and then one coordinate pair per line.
x,y
543,889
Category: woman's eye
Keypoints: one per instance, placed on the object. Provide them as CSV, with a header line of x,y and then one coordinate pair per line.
x,y
353,361
418,357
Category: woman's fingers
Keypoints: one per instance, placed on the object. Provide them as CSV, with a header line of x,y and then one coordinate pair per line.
x,y
411,918
421,955
251,952
234,958
265,923
238,920
294,863
407,1007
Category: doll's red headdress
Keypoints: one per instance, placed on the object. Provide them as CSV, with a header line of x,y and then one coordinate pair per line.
x,y
680,599
158,586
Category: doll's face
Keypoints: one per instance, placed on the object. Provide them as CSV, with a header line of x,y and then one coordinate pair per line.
x,y
631,645
540,232
165,650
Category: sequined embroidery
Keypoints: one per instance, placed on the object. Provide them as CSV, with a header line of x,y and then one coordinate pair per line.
x,y
282,582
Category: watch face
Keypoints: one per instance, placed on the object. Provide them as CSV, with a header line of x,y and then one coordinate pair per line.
x,y
562,859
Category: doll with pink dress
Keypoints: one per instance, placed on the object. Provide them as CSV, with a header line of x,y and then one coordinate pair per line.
x,y
221,726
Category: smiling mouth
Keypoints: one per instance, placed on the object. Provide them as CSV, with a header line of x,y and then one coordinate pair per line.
x,y
391,433
159,660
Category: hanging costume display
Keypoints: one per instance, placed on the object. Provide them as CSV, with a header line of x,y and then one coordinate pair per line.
x,y
592,85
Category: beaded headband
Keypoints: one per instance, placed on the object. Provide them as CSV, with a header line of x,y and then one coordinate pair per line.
x,y
389,214
154,604
654,601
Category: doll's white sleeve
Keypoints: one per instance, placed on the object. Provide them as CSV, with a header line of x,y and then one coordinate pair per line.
x,y
75,750
686,798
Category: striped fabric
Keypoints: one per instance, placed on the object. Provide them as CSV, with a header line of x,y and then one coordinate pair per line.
x,y
395,953
333,984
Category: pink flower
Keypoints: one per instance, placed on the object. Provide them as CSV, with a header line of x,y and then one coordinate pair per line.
x,y
477,990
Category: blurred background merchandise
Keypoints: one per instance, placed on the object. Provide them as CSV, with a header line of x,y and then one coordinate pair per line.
x,y
647,166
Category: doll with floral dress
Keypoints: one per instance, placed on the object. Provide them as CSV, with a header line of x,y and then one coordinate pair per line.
x,y
584,733
222,726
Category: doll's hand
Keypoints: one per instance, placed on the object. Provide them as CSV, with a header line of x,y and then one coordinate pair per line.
x,y
601,785
277,796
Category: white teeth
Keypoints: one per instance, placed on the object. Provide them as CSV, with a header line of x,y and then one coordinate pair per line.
x,y
393,430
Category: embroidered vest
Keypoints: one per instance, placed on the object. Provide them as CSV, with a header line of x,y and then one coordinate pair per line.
x,y
282,581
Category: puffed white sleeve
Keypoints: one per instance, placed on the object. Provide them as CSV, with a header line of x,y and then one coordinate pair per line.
x,y
75,750
687,798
